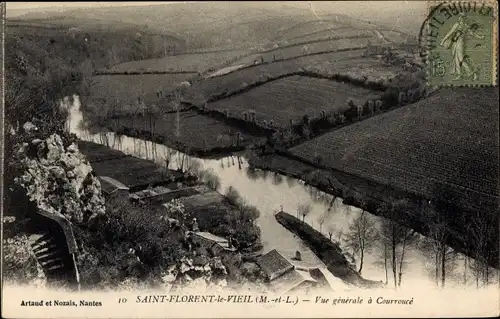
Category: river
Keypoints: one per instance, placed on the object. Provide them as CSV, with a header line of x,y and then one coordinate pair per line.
x,y
270,192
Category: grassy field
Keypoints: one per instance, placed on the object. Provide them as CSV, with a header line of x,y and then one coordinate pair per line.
x,y
234,81
366,68
317,46
324,34
131,171
249,24
98,153
449,139
197,133
291,98
305,28
126,89
197,62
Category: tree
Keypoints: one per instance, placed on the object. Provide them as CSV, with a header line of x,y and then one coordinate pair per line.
x,y
330,230
361,236
233,196
378,105
303,209
396,236
321,221
371,107
482,230
434,245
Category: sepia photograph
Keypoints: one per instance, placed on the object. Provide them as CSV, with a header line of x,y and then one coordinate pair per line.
x,y
250,159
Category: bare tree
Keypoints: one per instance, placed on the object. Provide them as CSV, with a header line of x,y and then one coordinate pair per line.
x,y
481,229
330,230
435,244
396,236
321,221
303,209
361,236
168,153
371,107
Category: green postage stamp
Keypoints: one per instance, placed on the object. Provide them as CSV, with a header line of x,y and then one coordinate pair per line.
x,y
462,41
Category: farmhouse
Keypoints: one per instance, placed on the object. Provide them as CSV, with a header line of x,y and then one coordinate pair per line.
x,y
274,264
214,244
284,276
112,187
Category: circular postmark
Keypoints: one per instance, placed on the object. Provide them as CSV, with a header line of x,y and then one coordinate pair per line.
x,y
456,43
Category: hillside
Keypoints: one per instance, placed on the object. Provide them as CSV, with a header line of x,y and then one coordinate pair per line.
x,y
450,138
221,25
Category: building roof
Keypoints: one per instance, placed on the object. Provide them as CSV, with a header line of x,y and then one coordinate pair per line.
x,y
110,185
291,280
201,200
274,262
223,242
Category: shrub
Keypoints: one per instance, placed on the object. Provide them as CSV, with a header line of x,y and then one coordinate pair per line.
x,y
130,241
233,196
211,179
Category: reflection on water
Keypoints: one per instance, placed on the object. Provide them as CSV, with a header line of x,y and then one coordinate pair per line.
x,y
269,192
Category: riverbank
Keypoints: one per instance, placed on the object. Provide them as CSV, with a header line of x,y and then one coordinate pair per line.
x,y
183,132
215,214
268,192
371,196
329,252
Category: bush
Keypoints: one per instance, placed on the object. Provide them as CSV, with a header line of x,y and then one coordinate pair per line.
x,y
131,241
210,179
233,196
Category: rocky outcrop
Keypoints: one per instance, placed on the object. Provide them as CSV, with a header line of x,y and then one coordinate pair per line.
x,y
198,272
59,179
20,265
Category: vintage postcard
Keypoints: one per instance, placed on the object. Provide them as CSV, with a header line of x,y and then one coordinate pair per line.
x,y
301,159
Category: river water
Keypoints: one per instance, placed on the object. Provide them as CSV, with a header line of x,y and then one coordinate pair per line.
x,y
270,192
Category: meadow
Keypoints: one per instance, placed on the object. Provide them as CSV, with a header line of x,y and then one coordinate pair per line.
x,y
234,81
279,102
328,34
97,153
127,89
187,62
291,51
411,148
134,172
196,133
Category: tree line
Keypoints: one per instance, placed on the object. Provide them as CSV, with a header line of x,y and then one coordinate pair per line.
x,y
391,239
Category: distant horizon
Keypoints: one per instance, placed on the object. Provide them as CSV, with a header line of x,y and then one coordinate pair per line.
x,y
19,8
403,15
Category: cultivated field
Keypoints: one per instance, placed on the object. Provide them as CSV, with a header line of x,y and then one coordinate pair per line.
x,y
450,138
97,152
236,80
131,171
305,28
197,62
322,35
317,46
291,98
196,132
354,68
128,88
